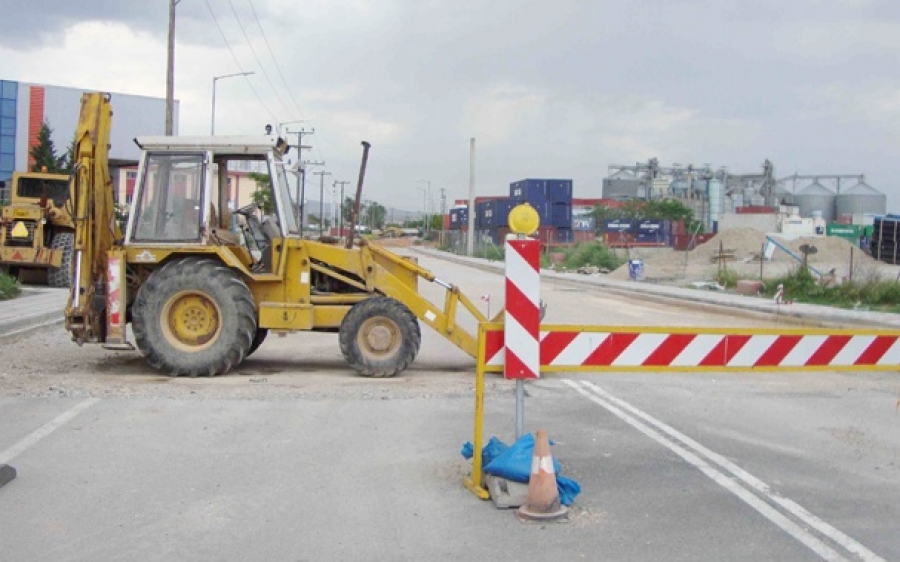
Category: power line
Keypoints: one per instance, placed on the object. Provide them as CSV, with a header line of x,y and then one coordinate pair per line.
x,y
259,62
238,63
275,60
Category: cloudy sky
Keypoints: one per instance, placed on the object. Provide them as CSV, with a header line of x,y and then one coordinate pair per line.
x,y
548,89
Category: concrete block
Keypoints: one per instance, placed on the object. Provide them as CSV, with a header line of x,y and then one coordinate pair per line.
x,y
504,493
7,474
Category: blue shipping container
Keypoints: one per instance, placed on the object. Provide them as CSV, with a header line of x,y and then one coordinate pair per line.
x,y
559,191
496,212
459,218
649,226
533,191
539,190
561,215
481,222
618,225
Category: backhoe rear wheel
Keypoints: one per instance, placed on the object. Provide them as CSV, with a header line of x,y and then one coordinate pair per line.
x,y
380,337
194,317
61,276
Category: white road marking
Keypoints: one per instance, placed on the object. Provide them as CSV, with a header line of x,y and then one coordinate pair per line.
x,y
618,407
32,438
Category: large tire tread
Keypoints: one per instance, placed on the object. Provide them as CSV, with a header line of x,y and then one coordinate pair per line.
x,y
398,313
61,277
222,285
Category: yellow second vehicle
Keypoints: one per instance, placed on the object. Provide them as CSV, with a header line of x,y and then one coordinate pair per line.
x,y
202,286
36,228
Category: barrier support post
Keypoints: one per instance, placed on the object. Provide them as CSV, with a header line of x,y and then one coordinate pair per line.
x,y
473,482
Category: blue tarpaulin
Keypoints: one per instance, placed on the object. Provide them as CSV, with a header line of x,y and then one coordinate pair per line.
x,y
514,464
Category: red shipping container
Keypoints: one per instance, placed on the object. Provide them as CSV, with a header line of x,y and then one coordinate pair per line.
x,y
583,236
447,222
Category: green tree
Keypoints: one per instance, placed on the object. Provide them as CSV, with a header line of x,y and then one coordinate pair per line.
x,y
375,214
263,197
68,163
44,153
347,210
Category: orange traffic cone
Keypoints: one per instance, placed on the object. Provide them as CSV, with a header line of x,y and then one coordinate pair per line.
x,y
543,496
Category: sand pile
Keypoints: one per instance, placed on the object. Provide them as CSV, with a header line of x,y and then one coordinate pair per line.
x,y
746,244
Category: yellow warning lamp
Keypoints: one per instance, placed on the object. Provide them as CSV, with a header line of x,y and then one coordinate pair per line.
x,y
19,231
523,219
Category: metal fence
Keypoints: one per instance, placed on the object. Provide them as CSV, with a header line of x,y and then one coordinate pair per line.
x,y
455,241
5,195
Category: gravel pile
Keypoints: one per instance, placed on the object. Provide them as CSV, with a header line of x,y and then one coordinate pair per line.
x,y
667,265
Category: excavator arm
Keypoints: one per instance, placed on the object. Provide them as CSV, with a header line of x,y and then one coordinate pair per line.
x,y
96,230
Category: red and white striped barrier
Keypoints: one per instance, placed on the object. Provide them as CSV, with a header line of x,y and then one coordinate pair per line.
x,y
523,309
602,348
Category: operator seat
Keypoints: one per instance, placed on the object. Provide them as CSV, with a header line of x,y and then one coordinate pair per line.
x,y
270,230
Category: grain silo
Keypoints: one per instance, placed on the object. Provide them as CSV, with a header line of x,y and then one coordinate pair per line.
x,y
861,199
679,188
814,198
623,185
781,195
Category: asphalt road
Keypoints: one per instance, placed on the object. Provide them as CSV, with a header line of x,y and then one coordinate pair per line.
x,y
292,457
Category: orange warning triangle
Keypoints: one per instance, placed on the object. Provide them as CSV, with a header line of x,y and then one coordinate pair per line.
x,y
17,256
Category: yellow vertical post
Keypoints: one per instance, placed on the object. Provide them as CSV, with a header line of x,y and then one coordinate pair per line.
x,y
473,482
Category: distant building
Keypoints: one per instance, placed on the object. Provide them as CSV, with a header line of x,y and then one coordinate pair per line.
x,y
25,106
240,186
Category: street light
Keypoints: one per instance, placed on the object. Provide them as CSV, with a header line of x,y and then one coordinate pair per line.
x,y
212,128
426,197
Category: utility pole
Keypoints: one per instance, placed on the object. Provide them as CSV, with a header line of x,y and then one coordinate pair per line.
x,y
321,175
443,202
301,179
470,237
306,164
341,207
170,69
426,196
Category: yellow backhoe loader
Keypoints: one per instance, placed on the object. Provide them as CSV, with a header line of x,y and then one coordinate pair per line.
x,y
202,287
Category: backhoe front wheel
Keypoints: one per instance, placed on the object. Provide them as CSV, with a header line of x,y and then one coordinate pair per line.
x,y
380,337
194,317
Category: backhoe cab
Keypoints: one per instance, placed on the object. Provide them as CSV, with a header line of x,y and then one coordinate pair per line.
x,y
203,285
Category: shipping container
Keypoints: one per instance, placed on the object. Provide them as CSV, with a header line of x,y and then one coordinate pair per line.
x,y
545,234
559,191
531,190
618,225
496,212
583,236
754,210
540,190
584,223
561,215
651,226
564,235
850,232
618,239
459,218
446,222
